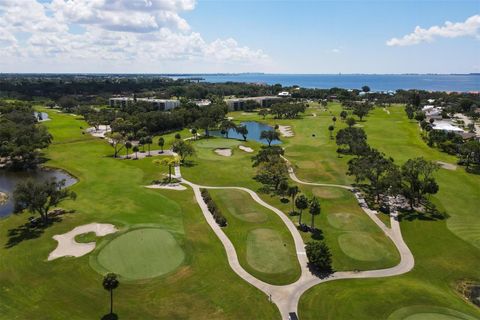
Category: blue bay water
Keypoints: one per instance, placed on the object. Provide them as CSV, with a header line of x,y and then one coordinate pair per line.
x,y
430,82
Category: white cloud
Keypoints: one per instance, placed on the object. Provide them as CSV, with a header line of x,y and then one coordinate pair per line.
x,y
469,27
144,33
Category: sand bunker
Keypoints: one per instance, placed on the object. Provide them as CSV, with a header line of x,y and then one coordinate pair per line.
x,y
100,132
225,152
286,131
446,165
68,247
3,198
246,149
170,186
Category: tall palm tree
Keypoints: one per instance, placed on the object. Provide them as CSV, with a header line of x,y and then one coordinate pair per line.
x,y
301,203
331,128
170,162
110,282
148,141
128,146
314,210
292,192
161,143
136,149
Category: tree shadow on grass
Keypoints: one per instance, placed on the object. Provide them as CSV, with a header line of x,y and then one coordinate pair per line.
x,y
28,231
110,316
322,274
429,213
188,163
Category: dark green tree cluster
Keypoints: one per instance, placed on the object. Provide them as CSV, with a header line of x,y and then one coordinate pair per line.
x,y
319,257
272,170
21,137
287,110
351,140
213,208
40,197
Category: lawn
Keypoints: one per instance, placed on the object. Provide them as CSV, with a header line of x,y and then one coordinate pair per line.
x,y
111,191
445,251
263,243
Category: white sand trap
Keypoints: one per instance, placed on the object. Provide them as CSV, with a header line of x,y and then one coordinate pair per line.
x,y
446,165
101,132
386,110
230,118
314,115
224,152
68,247
246,149
286,131
170,186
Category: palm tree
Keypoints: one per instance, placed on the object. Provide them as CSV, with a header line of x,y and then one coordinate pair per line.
x,y
170,162
142,142
136,149
331,128
110,282
314,210
301,203
128,146
148,141
269,135
243,131
292,192
161,143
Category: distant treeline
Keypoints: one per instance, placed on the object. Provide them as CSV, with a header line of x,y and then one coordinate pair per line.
x,y
96,89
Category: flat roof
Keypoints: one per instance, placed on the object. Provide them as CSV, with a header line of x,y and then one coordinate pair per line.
x,y
252,98
446,126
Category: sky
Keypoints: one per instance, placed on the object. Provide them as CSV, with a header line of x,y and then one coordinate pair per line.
x,y
228,36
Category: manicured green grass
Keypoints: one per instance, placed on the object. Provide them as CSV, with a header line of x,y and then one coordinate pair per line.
x,y
86,237
263,243
111,191
266,251
444,251
140,254
428,313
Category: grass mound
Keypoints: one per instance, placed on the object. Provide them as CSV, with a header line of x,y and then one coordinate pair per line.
x,y
346,221
362,246
327,193
266,251
244,210
141,254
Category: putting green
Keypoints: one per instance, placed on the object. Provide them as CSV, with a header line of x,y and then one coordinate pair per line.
x,y
266,251
327,193
346,221
141,254
362,246
428,313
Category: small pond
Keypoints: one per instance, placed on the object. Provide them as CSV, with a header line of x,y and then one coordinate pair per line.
x,y
9,179
254,130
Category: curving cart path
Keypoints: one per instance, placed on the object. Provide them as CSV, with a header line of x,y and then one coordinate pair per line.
x,y
286,297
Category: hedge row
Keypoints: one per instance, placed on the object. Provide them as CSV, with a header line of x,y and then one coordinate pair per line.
x,y
214,210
